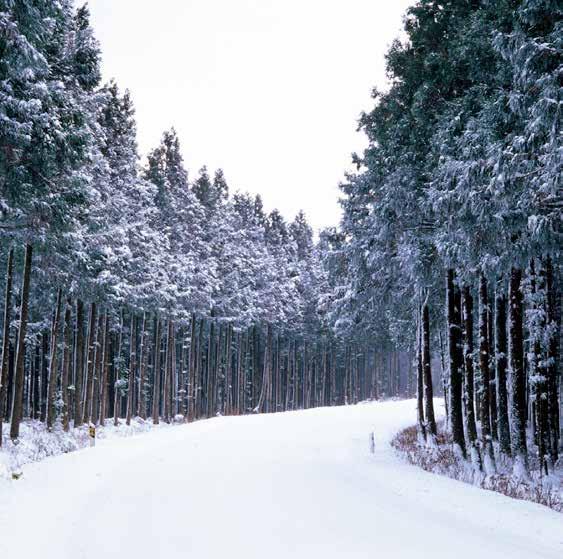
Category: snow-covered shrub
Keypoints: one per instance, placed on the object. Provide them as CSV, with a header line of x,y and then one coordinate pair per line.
x,y
441,459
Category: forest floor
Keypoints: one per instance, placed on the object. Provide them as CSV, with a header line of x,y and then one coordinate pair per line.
x,y
288,485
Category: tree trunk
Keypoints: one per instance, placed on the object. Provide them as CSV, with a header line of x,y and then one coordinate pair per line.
x,y
167,380
104,372
156,374
444,376
420,383
469,381
454,349
31,379
51,411
553,313
119,366
501,366
266,371
20,351
98,368
79,365
239,384
210,370
199,372
228,371
45,345
36,396
132,368
143,354
6,339
537,365
66,364
90,365
493,404
190,396
426,364
484,355
518,379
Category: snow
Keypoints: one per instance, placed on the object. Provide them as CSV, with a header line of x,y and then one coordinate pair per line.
x,y
294,484
37,443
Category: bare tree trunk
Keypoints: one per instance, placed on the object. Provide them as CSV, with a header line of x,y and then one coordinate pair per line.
x,y
20,351
266,371
79,365
199,372
518,379
501,366
537,366
218,372
239,391
6,339
34,363
228,371
210,369
98,368
183,375
104,372
90,364
444,375
553,312
484,353
426,363
143,355
493,404
118,368
167,372
11,374
66,361
156,381
29,382
324,379
218,375
45,345
469,381
37,382
289,383
51,412
191,384
420,382
132,368
455,357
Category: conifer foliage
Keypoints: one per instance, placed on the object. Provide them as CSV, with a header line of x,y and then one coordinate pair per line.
x,y
453,220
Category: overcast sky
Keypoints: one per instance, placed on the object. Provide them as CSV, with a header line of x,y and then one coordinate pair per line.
x,y
269,90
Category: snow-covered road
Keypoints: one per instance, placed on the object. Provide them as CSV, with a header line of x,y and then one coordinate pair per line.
x,y
291,485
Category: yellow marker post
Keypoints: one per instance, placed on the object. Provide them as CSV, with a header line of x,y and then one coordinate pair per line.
x,y
92,435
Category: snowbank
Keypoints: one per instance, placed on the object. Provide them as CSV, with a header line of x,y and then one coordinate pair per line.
x,y
442,460
36,443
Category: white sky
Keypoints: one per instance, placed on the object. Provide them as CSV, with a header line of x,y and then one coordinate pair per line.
x,y
269,90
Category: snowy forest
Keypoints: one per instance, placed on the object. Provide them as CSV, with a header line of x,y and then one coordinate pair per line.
x,y
136,288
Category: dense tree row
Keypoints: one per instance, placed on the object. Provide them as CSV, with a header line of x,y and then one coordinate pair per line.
x,y
134,290
139,290
453,219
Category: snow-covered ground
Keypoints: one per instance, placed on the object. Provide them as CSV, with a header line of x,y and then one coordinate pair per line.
x,y
288,485
36,443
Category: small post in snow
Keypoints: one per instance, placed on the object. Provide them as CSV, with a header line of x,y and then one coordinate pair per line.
x,y
92,434
372,442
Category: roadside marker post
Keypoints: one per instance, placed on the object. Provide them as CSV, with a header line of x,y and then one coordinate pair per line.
x,y
92,434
